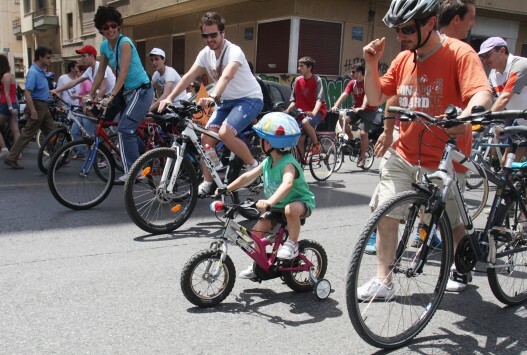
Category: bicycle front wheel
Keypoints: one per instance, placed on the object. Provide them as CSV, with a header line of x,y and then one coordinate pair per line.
x,y
323,163
369,157
51,144
508,276
149,204
81,184
389,311
340,156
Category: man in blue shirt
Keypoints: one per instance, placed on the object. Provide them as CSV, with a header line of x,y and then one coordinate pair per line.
x,y
37,96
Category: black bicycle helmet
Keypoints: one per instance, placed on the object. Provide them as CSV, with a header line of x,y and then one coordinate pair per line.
x,y
403,11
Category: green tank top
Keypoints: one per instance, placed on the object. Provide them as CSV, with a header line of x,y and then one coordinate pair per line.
x,y
272,177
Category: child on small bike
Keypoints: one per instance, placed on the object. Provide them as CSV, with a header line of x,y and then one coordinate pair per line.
x,y
284,183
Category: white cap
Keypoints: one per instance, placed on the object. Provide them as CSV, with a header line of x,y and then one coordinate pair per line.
x,y
158,51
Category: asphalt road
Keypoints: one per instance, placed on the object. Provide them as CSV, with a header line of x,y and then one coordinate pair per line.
x,y
92,282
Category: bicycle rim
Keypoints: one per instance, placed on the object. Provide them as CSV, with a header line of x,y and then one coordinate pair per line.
x,y
395,322
369,157
340,157
77,183
508,276
150,205
323,163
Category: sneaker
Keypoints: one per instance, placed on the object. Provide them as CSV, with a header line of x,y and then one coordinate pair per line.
x,y
371,247
205,188
4,152
247,273
375,290
420,235
13,164
251,167
315,149
102,164
458,281
124,177
288,250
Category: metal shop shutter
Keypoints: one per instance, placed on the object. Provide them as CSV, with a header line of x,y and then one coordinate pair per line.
x,y
273,47
321,40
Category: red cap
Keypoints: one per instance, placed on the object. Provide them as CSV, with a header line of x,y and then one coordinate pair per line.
x,y
87,49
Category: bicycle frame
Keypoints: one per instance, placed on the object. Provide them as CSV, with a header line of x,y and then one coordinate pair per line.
x,y
446,173
238,234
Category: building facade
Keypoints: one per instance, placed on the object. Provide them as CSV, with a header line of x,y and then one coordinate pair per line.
x,y
11,45
272,33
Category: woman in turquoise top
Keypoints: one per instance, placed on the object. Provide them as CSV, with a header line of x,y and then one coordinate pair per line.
x,y
284,183
119,52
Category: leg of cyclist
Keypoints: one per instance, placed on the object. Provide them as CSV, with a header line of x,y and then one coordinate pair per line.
x,y
138,103
232,117
300,147
310,124
347,127
367,122
261,227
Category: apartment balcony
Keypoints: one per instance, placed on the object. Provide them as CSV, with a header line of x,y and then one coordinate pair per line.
x,y
45,19
17,29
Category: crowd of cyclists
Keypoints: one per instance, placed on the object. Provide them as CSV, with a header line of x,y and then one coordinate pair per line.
x,y
434,69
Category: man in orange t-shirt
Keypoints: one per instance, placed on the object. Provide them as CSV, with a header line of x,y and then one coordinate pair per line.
x,y
432,72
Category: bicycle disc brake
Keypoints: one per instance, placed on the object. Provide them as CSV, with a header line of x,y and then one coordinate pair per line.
x,y
465,259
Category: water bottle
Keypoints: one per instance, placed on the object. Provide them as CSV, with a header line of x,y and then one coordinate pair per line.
x,y
213,157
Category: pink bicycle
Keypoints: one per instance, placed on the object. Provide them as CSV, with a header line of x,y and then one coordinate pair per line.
x,y
208,277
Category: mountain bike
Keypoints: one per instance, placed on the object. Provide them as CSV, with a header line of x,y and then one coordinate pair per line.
x,y
418,278
81,174
209,276
162,189
321,164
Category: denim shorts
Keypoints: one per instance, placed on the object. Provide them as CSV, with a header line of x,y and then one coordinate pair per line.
x,y
313,121
4,109
236,114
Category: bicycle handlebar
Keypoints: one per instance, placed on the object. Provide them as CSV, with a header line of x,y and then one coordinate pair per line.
x,y
479,117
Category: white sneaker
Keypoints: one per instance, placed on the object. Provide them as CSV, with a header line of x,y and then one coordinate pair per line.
x,y
247,273
288,250
205,188
4,152
124,177
458,281
375,290
251,167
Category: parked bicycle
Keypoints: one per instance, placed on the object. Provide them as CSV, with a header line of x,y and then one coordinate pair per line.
x,y
321,164
418,278
81,174
162,189
209,276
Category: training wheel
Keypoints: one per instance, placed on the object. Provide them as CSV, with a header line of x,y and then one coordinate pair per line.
x,y
322,289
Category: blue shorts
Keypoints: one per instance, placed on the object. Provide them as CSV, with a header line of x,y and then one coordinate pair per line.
x,y
236,114
4,109
313,121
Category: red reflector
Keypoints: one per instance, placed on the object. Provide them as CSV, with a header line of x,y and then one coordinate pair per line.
x,y
217,206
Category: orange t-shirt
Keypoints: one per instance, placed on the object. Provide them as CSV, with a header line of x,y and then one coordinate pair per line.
x,y
451,75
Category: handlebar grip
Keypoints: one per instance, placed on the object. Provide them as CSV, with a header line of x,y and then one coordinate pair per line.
x,y
509,114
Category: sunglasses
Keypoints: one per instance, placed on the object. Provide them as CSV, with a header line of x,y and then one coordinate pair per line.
x,y
108,26
408,30
211,35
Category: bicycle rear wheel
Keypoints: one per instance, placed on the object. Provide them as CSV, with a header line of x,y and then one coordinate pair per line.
x,y
369,157
323,163
413,297
508,277
81,184
148,203
51,144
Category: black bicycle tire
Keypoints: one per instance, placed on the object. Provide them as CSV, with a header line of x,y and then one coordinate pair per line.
x,y
189,269
369,155
305,286
352,281
492,272
340,157
59,157
41,151
128,192
330,152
